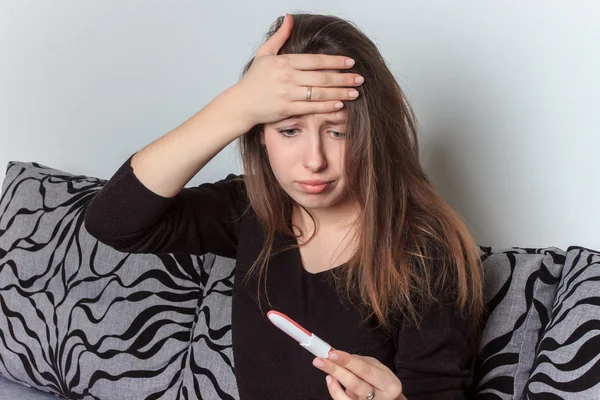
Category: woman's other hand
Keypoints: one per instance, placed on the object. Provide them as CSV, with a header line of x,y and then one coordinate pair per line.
x,y
360,375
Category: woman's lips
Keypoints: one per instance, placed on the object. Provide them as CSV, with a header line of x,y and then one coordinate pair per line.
x,y
314,189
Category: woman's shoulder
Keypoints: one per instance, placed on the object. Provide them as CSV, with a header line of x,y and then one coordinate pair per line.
x,y
226,196
231,183
237,185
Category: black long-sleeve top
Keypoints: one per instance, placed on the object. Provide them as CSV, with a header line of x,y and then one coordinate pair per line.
x,y
434,362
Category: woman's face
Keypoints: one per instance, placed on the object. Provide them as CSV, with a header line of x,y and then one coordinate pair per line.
x,y
309,147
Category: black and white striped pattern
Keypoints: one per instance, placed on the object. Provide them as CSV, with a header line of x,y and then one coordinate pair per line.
x,y
567,365
520,284
83,320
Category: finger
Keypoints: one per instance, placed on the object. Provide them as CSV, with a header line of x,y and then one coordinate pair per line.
x,y
313,107
395,389
324,79
373,361
352,395
346,378
323,94
319,61
375,374
278,39
336,391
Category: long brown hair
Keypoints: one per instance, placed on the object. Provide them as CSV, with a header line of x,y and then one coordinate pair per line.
x,y
411,244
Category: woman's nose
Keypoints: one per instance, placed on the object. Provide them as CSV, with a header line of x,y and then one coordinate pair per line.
x,y
315,158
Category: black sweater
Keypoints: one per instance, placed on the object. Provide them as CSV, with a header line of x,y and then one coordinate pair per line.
x,y
432,363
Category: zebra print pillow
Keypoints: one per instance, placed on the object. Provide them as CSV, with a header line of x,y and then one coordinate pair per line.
x,y
520,285
81,319
210,372
567,364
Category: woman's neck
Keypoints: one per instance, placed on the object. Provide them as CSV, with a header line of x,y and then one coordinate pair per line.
x,y
331,220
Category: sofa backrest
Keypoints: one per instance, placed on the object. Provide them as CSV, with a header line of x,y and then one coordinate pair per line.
x,y
81,319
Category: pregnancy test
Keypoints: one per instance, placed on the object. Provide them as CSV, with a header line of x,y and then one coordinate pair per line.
x,y
306,339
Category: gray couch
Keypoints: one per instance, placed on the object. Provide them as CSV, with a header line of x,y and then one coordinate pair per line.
x,y
81,320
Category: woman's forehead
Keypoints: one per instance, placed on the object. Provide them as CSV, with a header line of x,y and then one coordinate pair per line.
x,y
335,117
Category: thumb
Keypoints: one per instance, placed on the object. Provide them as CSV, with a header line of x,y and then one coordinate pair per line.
x,y
278,39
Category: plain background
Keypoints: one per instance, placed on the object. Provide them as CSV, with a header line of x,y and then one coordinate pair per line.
x,y
506,94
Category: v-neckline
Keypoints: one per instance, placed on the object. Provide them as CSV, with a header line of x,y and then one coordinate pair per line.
x,y
300,263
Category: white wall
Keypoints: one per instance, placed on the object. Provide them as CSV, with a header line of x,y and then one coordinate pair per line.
x,y
506,92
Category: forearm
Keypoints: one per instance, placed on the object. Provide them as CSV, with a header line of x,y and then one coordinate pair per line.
x,y
166,165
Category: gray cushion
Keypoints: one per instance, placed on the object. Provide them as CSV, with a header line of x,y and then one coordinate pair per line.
x,y
520,285
17,391
78,317
567,365
211,369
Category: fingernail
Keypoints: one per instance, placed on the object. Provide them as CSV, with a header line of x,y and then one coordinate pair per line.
x,y
359,79
318,363
328,379
334,356
350,62
353,93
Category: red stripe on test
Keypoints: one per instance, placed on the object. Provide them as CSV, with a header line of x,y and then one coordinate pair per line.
x,y
297,325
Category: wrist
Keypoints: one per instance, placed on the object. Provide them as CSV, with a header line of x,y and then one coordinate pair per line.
x,y
233,98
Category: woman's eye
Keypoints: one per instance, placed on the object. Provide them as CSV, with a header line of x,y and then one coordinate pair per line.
x,y
284,132
338,135
288,133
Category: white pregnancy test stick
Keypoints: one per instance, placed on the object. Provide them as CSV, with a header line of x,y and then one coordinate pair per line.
x,y
309,341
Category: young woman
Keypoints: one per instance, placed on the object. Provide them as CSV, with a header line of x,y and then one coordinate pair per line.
x,y
334,223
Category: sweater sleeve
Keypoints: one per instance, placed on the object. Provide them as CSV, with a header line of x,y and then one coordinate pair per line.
x,y
435,361
130,217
